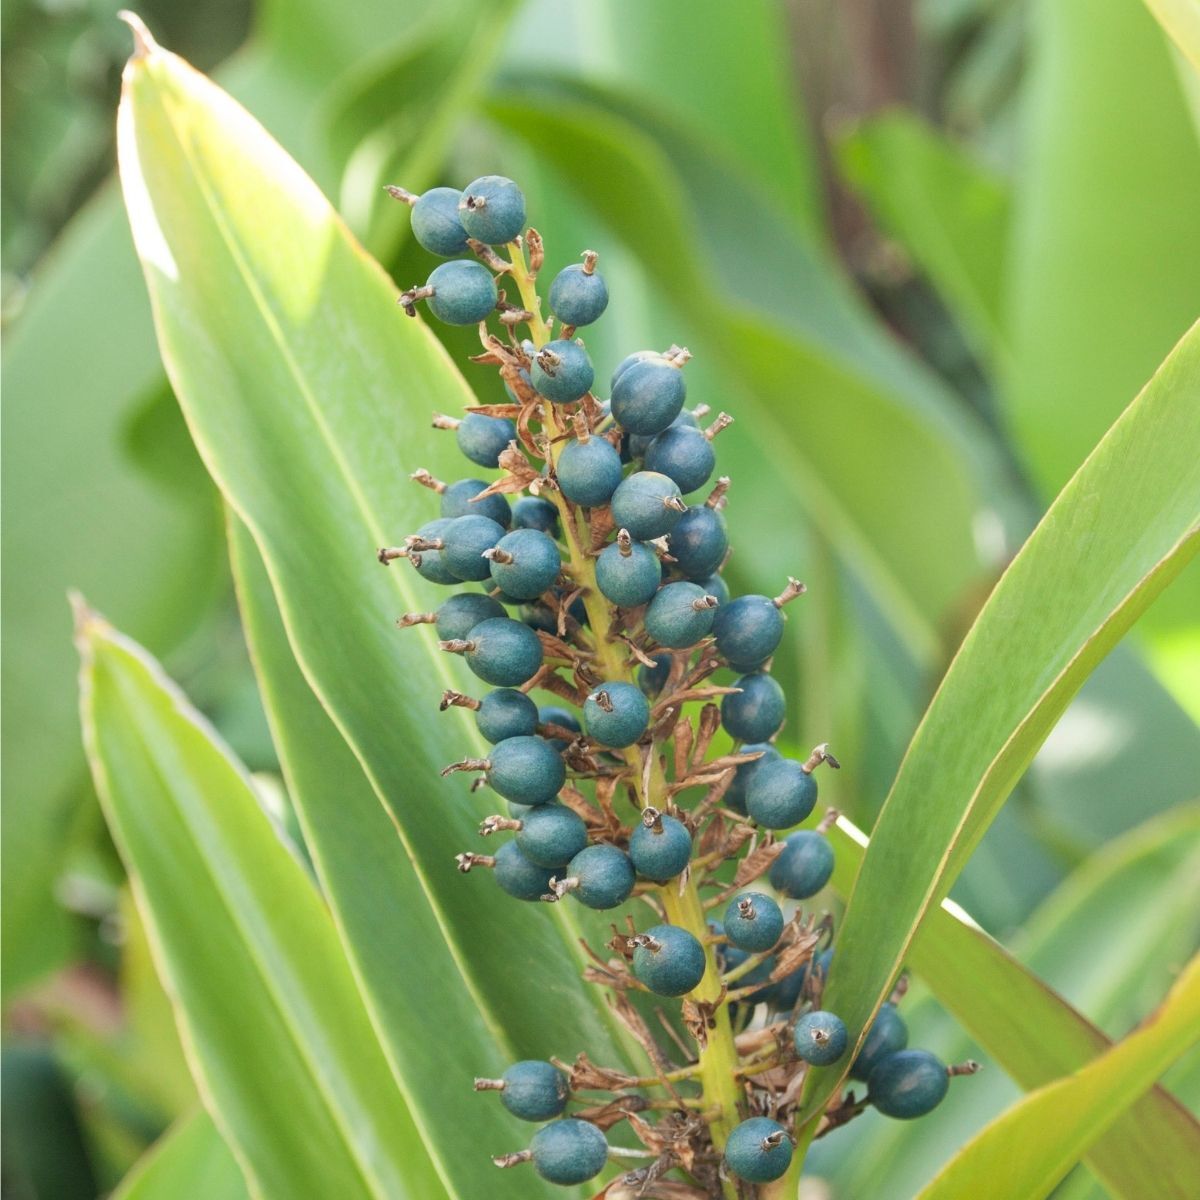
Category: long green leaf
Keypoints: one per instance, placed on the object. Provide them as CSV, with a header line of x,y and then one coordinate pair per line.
x,y
1150,1153
364,872
1033,1145
303,384
1181,19
276,1033
1115,537
190,1159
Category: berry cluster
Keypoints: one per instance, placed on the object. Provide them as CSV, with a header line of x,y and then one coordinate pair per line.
x,y
600,585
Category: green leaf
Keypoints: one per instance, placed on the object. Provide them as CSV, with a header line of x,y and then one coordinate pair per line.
x,y
190,1159
949,212
1181,19
1105,251
1033,1145
1115,537
304,384
276,1033
1036,1036
364,871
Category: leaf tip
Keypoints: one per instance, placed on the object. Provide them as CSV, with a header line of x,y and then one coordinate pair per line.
x,y
143,41
88,622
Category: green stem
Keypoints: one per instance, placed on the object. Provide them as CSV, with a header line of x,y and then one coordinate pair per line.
x,y
718,1063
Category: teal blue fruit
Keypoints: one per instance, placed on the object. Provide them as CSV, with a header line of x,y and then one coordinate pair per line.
x,y
569,1151
431,564
757,711
653,679
781,794
466,540
804,867
492,210
603,875
435,222
483,439
748,631
524,563
551,714
908,1084
753,922
532,512
684,454
503,652
460,614
668,960
647,504
562,372
616,714
462,292
759,1150
459,500
647,395
628,574
534,1090
589,472
578,295
520,878
551,835
888,1034
506,713
735,794
820,1038
679,615
527,770
660,846
699,542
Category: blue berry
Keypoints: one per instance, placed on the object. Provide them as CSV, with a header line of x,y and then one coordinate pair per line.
x,y
616,714
431,564
517,876
714,585
653,679
589,472
464,292
492,210
628,573
756,713
684,454
578,296
506,713
887,1035
551,714
460,614
458,500
647,504
603,875
636,357
731,957
483,439
820,1038
788,989
532,512
639,443
562,371
781,794
435,222
679,615
525,563
699,542
534,1090
551,835
503,652
569,1151
660,846
668,960
735,793
648,395
907,1084
466,539
748,631
753,922
527,770
758,1150
804,866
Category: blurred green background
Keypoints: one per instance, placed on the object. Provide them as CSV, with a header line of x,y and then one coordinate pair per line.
x,y
923,251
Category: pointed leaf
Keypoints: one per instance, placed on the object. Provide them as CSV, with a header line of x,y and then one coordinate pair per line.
x,y
1150,1153
304,386
277,1036
1116,536
1028,1150
190,1159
